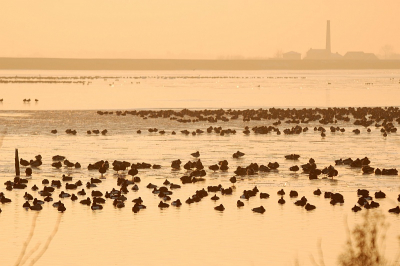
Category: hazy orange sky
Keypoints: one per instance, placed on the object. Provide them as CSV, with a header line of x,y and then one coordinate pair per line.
x,y
193,28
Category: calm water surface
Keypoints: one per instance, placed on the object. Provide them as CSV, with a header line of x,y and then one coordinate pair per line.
x,y
193,234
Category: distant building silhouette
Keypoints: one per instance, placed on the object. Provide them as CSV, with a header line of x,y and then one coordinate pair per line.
x,y
292,56
326,54
323,54
359,56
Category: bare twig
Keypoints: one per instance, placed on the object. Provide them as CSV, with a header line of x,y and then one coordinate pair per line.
x,y
46,246
33,250
28,240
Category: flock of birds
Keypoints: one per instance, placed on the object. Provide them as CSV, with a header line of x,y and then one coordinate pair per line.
x,y
195,173
383,118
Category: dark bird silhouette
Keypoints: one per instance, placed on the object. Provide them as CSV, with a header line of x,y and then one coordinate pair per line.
x,y
220,208
196,154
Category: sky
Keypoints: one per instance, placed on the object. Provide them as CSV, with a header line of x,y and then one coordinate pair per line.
x,y
198,29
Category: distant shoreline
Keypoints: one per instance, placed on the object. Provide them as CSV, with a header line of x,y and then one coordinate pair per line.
x,y
189,64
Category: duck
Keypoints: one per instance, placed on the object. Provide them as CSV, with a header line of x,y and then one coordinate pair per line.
x,y
150,185
317,192
34,187
37,202
61,208
293,194
140,206
196,154
96,193
239,203
26,205
120,204
301,202
233,179
309,207
48,199
220,208
96,206
174,186
36,207
374,204
70,186
356,208
395,210
166,182
82,192
89,185
56,204
163,205
281,192
135,187
281,200
189,201
28,196
98,200
215,197
64,195
380,195
135,209
74,197
95,181
66,178
176,203
264,195
214,167
260,209
23,162
87,201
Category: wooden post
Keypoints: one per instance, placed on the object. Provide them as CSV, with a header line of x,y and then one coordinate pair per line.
x,y
16,163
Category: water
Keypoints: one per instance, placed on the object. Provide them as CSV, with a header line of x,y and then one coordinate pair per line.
x,y
193,234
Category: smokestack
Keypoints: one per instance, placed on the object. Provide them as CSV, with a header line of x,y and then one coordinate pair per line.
x,y
328,37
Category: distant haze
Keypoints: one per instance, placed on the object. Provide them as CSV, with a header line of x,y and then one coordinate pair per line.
x,y
199,29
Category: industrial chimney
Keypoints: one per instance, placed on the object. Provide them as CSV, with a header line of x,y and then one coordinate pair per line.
x,y
328,37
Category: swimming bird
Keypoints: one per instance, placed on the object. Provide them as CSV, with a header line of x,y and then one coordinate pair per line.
x,y
36,207
293,194
309,207
239,203
176,203
356,208
196,154
96,207
281,200
23,162
28,196
220,208
87,202
395,210
281,192
215,197
380,195
163,205
317,192
64,195
260,209
301,202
